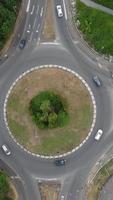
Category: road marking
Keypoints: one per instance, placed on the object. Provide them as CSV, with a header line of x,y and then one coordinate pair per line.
x,y
41,13
28,31
76,42
32,10
100,65
51,43
65,9
15,177
28,6
38,28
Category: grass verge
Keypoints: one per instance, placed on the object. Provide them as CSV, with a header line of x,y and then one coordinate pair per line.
x,y
97,28
99,181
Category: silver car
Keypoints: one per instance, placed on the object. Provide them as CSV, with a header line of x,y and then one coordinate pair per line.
x,y
6,150
99,134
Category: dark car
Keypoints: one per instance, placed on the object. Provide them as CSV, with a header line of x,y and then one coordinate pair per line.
x,y
97,81
22,43
60,162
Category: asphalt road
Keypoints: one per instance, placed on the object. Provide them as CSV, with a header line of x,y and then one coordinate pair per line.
x,y
76,56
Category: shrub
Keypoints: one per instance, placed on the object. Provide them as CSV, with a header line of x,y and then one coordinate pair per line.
x,y
48,110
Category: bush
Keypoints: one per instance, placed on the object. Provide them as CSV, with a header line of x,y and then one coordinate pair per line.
x,y
4,187
48,111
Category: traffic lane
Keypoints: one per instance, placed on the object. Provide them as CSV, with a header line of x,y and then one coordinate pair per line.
x,y
31,21
29,8
34,20
39,21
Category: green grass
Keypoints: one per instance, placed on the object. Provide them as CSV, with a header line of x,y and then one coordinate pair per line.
x,y
97,28
58,143
106,3
19,131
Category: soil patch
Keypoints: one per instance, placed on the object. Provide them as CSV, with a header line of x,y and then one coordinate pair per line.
x,y
49,190
48,28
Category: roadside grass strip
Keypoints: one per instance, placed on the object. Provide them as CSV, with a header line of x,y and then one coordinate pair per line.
x,y
97,28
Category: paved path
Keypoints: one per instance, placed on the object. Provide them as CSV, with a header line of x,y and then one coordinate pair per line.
x,y
97,6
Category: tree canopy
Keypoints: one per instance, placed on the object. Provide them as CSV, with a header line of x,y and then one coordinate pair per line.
x,y
48,110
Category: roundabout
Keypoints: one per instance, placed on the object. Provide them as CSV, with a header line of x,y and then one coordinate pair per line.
x,y
79,103
35,166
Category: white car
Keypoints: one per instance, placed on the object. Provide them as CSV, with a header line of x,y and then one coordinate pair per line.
x,y
6,150
62,197
59,11
98,134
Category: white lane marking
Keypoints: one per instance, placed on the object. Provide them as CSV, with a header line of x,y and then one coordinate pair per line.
x,y
99,65
28,30
65,10
41,12
32,10
52,43
28,6
76,42
38,28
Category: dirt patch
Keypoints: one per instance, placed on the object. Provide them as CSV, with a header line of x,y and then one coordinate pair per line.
x,y
57,140
48,33
49,190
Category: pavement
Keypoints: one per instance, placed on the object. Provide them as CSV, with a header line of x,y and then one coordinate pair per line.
x,y
97,6
107,191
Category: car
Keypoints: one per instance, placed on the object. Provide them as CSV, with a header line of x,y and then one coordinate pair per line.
x,y
60,162
22,43
97,81
6,150
98,134
59,11
62,197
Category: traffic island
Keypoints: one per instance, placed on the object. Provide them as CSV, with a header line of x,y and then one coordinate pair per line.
x,y
49,190
73,125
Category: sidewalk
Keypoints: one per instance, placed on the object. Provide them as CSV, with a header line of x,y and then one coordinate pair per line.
x,y
97,6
